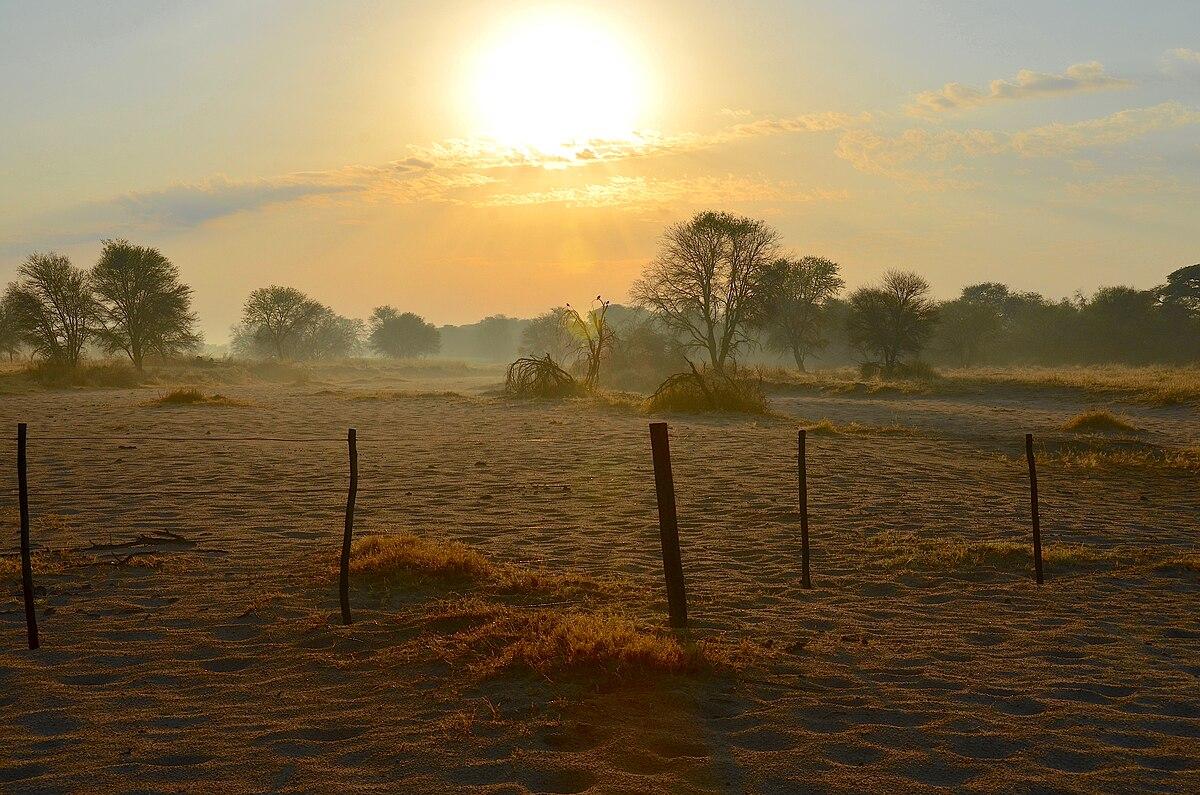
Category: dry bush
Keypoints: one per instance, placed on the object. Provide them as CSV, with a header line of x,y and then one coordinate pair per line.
x,y
190,396
701,391
404,555
498,638
100,375
531,377
1097,421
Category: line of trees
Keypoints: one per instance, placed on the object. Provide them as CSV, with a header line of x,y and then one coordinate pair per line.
x,y
720,287
286,324
130,303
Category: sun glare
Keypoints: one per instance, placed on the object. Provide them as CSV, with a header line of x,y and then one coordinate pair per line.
x,y
557,78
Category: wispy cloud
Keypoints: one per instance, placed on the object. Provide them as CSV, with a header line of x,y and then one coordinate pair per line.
x,y
935,159
637,193
1078,78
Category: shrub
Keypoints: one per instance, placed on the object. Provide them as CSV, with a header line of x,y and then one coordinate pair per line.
x,y
530,377
60,375
701,390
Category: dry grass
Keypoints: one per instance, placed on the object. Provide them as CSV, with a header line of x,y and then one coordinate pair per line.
x,y
496,638
1151,385
699,392
47,562
905,551
385,395
1098,421
1145,457
190,396
407,556
827,427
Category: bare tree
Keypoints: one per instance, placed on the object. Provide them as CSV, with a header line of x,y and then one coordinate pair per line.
x,y
595,335
53,307
279,319
707,282
143,307
795,310
892,319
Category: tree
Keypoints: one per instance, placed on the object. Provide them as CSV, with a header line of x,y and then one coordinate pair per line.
x,y
549,334
10,328
707,283
53,307
494,337
595,337
1182,289
892,319
277,320
967,324
401,335
795,308
142,306
330,336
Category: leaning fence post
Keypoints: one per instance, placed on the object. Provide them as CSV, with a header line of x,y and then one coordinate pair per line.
x,y
1033,503
668,526
348,535
26,560
802,468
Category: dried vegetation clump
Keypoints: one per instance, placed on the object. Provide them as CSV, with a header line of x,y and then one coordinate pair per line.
x,y
1099,421
190,396
531,377
704,391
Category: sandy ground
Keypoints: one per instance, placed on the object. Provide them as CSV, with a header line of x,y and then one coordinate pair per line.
x,y
225,669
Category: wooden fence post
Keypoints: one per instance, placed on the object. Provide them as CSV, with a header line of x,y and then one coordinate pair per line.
x,y
668,526
1033,503
26,559
348,535
802,467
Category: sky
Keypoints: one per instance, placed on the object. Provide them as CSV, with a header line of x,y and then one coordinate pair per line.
x,y
460,159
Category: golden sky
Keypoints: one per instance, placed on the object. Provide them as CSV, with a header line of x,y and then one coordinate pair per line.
x,y
459,159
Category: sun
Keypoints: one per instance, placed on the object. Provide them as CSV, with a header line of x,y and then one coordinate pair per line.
x,y
555,78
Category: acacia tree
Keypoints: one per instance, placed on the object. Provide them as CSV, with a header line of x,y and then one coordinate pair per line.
x,y
279,319
52,307
10,328
708,282
143,307
800,289
401,334
892,319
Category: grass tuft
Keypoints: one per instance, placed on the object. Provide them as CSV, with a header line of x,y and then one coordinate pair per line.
x,y
701,391
499,638
404,555
190,396
1098,421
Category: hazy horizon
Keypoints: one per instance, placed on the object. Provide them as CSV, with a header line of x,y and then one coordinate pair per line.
x,y
423,155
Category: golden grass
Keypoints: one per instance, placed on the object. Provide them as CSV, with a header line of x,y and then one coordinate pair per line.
x,y
1099,421
384,395
498,638
190,396
683,394
1151,385
405,555
827,427
905,551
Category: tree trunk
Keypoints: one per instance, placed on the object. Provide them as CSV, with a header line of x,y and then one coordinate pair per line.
x,y
799,359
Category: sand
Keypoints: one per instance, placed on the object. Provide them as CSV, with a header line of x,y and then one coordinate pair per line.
x,y
217,662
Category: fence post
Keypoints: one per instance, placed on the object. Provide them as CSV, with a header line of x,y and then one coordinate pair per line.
x,y
802,467
668,525
1033,503
348,535
26,560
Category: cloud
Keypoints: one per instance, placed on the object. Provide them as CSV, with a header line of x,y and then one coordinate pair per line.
x,y
1078,78
1119,128
485,154
635,193
1180,61
185,205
